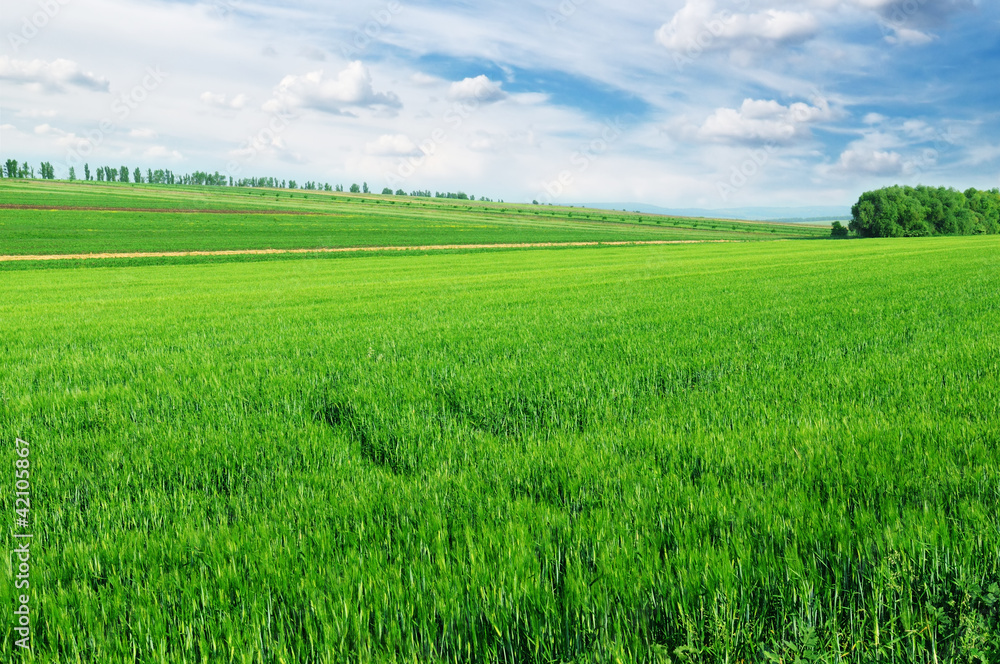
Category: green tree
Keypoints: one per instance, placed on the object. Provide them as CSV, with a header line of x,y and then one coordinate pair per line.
x,y
11,167
917,211
387,191
123,174
137,175
355,189
72,174
400,192
86,172
364,187
839,230
887,213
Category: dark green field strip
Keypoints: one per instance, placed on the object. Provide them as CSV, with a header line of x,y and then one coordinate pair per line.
x,y
73,232
145,197
748,452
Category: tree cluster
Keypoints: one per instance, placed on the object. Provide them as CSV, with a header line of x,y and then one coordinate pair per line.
x,y
12,169
922,211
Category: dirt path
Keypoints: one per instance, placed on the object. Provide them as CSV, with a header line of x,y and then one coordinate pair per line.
x,y
337,250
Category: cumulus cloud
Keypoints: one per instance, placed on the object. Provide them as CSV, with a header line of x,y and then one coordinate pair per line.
x,y
162,152
420,78
392,145
219,100
919,13
909,37
763,121
698,27
351,88
909,22
62,138
887,153
55,76
480,89
871,162
313,53
35,113
983,154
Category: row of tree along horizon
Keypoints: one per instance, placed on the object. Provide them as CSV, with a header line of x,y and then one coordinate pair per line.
x,y
13,169
921,211
897,211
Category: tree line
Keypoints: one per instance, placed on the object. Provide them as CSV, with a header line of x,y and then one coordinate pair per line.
x,y
11,168
922,211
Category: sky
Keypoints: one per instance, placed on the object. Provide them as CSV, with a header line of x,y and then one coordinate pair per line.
x,y
676,103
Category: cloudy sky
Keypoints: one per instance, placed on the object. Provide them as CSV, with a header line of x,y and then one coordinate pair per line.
x,y
678,103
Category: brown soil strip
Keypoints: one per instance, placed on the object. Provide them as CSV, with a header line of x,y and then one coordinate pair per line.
x,y
74,208
335,250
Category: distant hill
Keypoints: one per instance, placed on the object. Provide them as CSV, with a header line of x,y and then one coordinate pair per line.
x,y
801,214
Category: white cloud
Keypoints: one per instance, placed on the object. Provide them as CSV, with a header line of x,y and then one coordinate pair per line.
x,y
313,53
886,153
982,154
54,76
62,138
480,89
909,37
871,162
420,78
920,13
763,121
908,22
161,152
34,113
142,133
392,145
222,101
698,27
351,88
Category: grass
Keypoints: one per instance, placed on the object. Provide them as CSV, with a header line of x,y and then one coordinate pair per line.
x,y
132,218
714,453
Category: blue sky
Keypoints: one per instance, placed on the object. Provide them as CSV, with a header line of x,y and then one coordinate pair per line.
x,y
679,103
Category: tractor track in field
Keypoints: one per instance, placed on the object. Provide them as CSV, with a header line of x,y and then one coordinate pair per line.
x,y
335,250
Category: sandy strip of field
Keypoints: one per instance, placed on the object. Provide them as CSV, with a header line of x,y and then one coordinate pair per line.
x,y
336,250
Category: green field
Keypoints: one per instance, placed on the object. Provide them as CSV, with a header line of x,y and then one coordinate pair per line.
x,y
759,452
135,218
